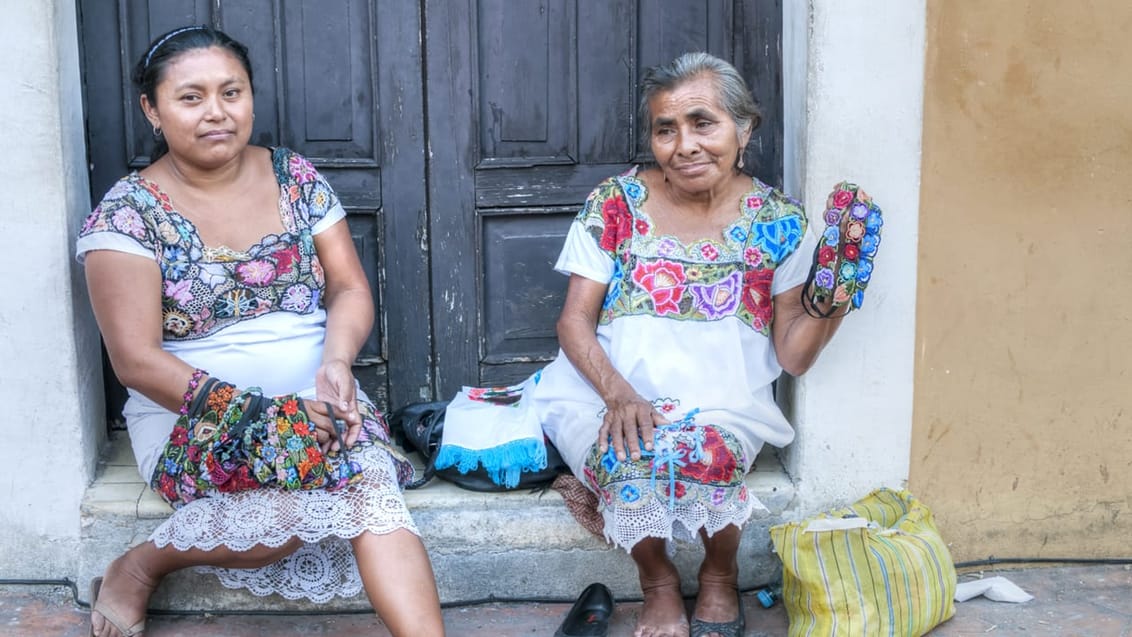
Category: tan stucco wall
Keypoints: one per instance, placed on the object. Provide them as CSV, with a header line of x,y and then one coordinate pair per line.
x,y
1022,440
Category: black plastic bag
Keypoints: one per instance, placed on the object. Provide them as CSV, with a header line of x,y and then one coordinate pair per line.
x,y
419,427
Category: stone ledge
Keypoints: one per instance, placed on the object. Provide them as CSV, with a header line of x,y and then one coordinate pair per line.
x,y
504,545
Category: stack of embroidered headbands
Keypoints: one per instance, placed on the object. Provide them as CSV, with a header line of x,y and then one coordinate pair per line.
x,y
843,260
228,440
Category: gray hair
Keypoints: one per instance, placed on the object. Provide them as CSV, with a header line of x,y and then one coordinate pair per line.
x,y
733,93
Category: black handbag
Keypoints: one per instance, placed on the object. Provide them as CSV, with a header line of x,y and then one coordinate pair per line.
x,y
419,427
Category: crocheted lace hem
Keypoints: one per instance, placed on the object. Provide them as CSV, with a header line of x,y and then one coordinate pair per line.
x,y
324,567
625,527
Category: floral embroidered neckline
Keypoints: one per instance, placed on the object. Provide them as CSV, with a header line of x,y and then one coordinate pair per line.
x,y
223,253
728,245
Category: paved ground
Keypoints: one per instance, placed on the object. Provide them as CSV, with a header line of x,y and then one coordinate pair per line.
x,y
1070,601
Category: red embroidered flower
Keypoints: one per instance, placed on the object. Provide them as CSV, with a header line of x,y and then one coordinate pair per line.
x,y
680,490
756,295
709,252
291,407
642,226
193,452
179,436
167,487
302,429
240,480
285,259
664,281
718,464
826,255
618,222
842,198
851,251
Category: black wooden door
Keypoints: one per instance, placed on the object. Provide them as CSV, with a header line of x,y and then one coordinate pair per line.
x,y
531,104
460,175
336,80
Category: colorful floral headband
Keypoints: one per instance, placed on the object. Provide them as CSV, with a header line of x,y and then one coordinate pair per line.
x,y
843,261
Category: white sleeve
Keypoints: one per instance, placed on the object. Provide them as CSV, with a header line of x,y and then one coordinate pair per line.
x,y
115,241
581,255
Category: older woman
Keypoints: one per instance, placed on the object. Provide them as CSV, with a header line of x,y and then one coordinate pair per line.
x,y
683,306
236,259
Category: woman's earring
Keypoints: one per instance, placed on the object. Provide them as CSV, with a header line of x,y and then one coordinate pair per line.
x,y
157,132
739,161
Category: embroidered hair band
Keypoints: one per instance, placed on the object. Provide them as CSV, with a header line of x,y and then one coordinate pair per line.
x,y
843,260
168,36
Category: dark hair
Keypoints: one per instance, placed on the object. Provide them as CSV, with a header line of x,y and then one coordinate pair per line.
x,y
734,95
150,69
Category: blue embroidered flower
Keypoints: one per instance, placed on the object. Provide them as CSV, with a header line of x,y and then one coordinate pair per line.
x,y
831,235
778,238
295,444
848,271
269,453
864,271
633,189
873,222
144,198
172,468
858,298
614,290
609,461
174,262
630,493
869,244
738,234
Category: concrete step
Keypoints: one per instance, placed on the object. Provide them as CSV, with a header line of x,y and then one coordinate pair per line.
x,y
513,545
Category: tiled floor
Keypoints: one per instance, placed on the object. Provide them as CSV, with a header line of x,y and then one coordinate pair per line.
x,y
1070,601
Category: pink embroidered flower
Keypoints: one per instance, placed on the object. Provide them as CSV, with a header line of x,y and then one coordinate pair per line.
x,y
664,281
709,251
285,259
754,202
665,406
256,272
752,256
642,226
301,169
179,291
128,220
842,198
855,230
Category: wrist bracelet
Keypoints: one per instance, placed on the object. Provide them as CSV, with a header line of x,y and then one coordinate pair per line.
x,y
194,382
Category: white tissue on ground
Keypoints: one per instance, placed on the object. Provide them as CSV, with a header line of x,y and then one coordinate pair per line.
x,y
995,588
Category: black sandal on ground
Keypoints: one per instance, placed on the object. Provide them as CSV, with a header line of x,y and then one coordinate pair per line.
x,y
733,628
590,614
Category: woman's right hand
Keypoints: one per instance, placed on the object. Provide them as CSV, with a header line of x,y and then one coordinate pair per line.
x,y
629,420
324,431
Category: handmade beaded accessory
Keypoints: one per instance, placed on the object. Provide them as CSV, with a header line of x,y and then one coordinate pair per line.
x,y
843,259
194,382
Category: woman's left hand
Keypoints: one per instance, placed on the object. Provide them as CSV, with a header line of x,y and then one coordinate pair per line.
x,y
334,383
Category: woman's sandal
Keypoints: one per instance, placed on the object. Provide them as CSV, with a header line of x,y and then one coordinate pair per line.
x,y
733,628
590,614
109,615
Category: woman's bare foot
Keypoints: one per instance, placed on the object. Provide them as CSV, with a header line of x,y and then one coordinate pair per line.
x,y
663,613
124,594
718,599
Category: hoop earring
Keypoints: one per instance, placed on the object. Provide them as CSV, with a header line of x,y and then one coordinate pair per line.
x,y
157,132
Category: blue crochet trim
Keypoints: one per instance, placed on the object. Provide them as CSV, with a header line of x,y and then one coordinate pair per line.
x,y
503,464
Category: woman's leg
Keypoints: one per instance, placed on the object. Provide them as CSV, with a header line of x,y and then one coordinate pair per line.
x,y
718,599
399,582
663,614
130,579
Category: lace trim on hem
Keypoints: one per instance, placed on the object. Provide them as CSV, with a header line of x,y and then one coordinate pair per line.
x,y
626,527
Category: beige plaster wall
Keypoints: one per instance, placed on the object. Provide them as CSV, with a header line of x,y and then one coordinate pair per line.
x,y
1022,440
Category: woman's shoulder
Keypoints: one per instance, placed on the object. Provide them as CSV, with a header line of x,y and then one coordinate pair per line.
x,y
766,202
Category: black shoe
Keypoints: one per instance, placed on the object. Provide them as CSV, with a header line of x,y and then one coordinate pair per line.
x,y
590,615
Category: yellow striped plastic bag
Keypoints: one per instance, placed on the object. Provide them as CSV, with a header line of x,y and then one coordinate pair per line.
x,y
878,567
